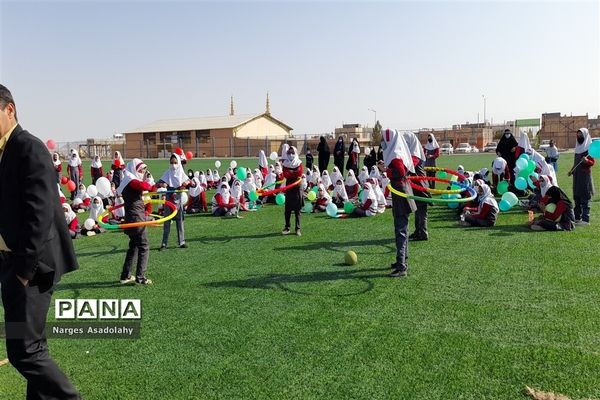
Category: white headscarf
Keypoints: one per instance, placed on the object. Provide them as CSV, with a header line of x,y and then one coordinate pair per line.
x,y
69,215
236,191
351,179
262,159
378,194
74,161
335,175
368,193
498,166
355,148
434,143
414,146
56,162
130,173
340,190
96,162
270,178
396,148
81,193
545,184
325,194
525,143
545,168
374,173
258,178
175,176
119,212
216,176
284,148
96,209
225,193
486,196
363,175
291,160
326,179
587,141
201,178
278,170
249,185
119,158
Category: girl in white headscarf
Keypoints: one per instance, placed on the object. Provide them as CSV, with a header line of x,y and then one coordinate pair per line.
x,y
368,206
57,165
323,199
259,177
583,184
96,170
223,204
487,210
385,181
374,174
175,178
500,172
316,176
378,194
263,163
326,180
292,172
131,188
96,209
118,168
339,195
216,177
238,195
195,193
75,170
353,154
363,175
523,145
71,219
336,174
352,185
83,197
432,152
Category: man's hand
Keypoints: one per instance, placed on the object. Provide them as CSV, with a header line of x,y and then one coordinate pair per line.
x,y
23,281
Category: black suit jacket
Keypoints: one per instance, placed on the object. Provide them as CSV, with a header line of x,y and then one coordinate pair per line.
x,y
32,222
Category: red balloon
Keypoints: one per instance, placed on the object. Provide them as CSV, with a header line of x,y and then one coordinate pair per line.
x,y
71,186
64,180
117,163
51,144
179,151
189,155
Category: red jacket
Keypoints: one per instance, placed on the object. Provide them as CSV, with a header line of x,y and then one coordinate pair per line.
x,y
396,172
292,174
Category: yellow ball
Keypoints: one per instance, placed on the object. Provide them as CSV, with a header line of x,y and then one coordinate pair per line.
x,y
350,258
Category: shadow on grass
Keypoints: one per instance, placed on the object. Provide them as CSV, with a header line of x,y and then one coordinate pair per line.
x,y
279,281
225,239
344,246
114,250
87,285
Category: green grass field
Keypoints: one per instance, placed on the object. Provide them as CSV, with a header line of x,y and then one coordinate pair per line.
x,y
245,313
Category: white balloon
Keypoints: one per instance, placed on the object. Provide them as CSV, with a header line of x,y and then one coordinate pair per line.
x,y
89,224
274,156
217,164
77,202
233,164
103,186
92,191
183,198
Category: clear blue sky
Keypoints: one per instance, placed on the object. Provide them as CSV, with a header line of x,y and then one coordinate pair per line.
x,y
83,69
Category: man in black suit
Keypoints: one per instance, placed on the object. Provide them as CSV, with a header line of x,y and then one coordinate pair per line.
x,y
35,251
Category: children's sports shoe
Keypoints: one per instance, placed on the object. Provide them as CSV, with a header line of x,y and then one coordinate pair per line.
x,y
399,273
128,281
285,231
144,281
582,223
298,233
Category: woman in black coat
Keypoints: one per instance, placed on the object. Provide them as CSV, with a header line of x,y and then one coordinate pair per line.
x,y
506,149
324,154
338,153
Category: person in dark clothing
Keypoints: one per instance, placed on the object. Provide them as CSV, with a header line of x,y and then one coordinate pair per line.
x,y
338,153
379,154
370,158
418,159
292,171
353,153
131,188
36,250
583,184
507,147
324,154
558,212
309,159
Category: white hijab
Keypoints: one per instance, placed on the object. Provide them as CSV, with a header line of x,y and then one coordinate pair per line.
x,y
351,179
335,175
487,197
587,141
175,177
262,159
414,146
291,160
236,190
396,148
216,175
545,168
96,209
119,158
131,173
69,215
355,148
498,166
284,148
434,143
270,178
363,175
56,162
326,179
225,193
368,193
545,184
325,194
340,190
278,169
74,161
96,162
82,193
525,143
374,173
249,185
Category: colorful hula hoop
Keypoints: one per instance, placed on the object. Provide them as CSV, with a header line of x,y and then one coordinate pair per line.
x,y
270,185
165,192
436,191
141,223
281,189
447,170
432,200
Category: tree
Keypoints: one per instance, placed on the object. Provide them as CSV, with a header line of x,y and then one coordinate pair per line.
x,y
376,139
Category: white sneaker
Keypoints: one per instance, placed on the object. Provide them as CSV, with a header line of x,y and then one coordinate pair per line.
x,y
128,281
582,223
577,221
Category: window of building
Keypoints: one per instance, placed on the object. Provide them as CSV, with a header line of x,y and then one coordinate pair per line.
x,y
150,138
203,136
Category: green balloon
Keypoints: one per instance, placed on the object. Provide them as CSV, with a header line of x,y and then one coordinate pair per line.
x,y
531,166
348,207
502,187
241,173
311,196
315,189
280,198
308,207
253,196
442,174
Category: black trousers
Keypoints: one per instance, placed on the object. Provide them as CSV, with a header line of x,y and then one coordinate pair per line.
x,y
139,251
25,311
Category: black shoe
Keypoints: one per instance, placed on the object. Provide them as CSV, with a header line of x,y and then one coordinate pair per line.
x,y
412,236
183,246
394,266
418,238
399,273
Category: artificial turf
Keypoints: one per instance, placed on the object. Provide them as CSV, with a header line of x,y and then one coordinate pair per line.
x,y
245,313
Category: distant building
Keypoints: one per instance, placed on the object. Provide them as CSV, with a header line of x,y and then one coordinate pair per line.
x,y
351,131
474,134
563,129
224,136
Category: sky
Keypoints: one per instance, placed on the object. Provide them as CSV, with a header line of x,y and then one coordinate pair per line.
x,y
81,69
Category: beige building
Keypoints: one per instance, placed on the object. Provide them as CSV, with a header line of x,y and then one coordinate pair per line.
x,y
223,136
350,131
477,136
563,129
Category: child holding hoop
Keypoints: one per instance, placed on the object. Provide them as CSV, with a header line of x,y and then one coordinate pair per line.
x,y
292,171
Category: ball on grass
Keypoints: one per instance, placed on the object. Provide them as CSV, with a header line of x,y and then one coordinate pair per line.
x,y
350,258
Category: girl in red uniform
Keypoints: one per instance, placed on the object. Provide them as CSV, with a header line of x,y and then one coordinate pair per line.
x,y
292,171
